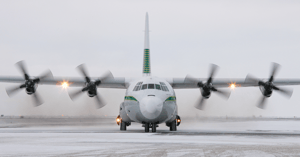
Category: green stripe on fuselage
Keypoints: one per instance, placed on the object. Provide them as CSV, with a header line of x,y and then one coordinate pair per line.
x,y
171,98
130,98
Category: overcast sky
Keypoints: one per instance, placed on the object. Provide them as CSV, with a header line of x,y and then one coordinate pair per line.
x,y
240,36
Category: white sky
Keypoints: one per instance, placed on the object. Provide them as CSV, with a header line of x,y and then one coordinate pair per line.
x,y
240,36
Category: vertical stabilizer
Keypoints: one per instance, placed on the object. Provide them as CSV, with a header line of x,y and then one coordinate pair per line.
x,y
146,67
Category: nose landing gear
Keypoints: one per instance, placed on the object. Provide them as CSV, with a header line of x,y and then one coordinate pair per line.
x,y
147,126
154,127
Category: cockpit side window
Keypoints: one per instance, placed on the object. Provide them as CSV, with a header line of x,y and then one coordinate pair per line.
x,y
164,86
157,86
144,86
150,86
138,86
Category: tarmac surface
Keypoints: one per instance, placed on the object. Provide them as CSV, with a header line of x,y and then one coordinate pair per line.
x,y
100,136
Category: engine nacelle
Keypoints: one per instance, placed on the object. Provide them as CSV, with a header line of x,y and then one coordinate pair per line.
x,y
265,92
205,93
92,89
92,93
31,88
30,91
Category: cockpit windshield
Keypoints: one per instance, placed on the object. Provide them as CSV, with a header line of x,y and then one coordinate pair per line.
x,y
144,86
161,86
157,86
150,86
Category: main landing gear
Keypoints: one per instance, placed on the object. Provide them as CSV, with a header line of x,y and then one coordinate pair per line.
x,y
153,126
122,124
173,125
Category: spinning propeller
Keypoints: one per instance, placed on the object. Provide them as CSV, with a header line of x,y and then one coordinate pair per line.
x,y
207,87
90,86
267,86
30,84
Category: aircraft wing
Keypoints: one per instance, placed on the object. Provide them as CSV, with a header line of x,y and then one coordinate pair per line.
x,y
279,82
182,83
12,79
117,82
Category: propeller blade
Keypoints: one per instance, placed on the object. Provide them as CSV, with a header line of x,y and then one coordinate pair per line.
x,y
21,66
213,69
13,90
200,103
252,80
190,79
46,75
99,101
262,103
37,99
287,92
106,75
74,94
81,68
223,93
275,68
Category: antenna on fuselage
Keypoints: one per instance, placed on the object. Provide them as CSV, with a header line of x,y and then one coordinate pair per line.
x,y
146,66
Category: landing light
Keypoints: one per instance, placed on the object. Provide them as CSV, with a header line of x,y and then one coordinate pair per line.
x,y
64,84
118,120
178,120
233,85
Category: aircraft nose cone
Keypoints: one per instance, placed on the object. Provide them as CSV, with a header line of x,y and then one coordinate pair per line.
x,y
151,107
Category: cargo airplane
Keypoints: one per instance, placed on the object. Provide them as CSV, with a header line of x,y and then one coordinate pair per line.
x,y
149,100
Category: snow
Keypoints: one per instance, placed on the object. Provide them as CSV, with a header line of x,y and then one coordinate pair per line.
x,y
206,138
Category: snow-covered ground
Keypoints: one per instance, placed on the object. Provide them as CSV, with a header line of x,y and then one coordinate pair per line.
x,y
202,138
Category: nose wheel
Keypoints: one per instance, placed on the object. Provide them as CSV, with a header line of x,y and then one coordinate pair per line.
x,y
147,126
154,127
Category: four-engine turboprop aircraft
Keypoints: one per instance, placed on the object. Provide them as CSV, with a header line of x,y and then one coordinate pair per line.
x,y
149,100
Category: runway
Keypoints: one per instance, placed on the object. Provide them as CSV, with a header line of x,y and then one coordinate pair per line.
x,y
102,137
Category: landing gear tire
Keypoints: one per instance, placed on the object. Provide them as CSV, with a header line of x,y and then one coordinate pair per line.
x,y
154,127
123,126
173,126
146,127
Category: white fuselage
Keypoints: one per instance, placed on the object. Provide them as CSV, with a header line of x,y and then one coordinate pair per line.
x,y
149,100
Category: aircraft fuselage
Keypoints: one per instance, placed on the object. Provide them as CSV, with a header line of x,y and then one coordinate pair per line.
x,y
149,100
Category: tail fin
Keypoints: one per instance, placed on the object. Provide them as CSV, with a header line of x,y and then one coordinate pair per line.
x,y
146,67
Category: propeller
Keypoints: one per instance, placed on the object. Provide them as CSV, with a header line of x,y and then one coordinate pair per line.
x,y
262,102
91,86
30,84
267,87
207,87
200,103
